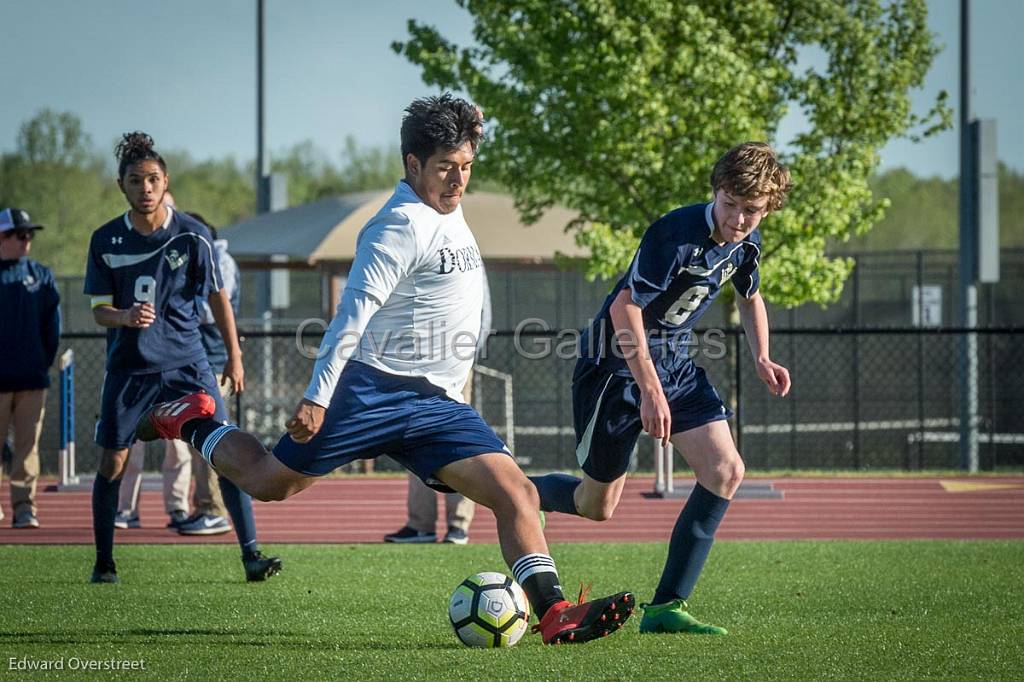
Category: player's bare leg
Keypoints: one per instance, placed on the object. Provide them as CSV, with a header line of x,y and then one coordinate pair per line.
x,y
597,500
495,481
242,458
711,453
112,463
233,453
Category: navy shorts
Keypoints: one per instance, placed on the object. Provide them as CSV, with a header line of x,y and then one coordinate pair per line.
x,y
374,413
127,396
606,414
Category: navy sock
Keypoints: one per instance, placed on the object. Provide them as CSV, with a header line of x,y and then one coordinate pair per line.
x,y
556,492
104,509
539,579
239,506
196,431
691,542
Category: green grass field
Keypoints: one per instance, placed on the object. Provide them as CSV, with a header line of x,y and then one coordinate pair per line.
x,y
795,610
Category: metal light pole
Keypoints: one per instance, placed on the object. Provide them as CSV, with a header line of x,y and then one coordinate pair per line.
x,y
262,162
968,364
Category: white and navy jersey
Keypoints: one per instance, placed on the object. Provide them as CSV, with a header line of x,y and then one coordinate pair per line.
x,y
675,275
172,268
426,270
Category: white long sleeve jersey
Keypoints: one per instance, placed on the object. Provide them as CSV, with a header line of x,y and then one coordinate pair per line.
x,y
424,271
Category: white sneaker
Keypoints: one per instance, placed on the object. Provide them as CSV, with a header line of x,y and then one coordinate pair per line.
x,y
123,521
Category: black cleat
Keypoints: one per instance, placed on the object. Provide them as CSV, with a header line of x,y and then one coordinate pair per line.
x,y
104,574
259,567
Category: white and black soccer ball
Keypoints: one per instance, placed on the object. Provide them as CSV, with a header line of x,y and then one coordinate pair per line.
x,y
489,610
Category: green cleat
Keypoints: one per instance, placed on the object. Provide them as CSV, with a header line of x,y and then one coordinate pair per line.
x,y
673,617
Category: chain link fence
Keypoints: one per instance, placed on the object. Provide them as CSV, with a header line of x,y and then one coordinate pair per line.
x,y
875,381
861,399
900,289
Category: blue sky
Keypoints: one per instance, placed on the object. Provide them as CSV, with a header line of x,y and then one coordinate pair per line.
x,y
185,72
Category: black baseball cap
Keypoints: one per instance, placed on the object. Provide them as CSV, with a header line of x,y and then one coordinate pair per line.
x,y
16,219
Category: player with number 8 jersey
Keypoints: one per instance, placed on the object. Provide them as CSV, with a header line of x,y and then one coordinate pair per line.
x,y
636,370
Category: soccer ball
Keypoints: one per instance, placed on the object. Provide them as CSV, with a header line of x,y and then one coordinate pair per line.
x,y
489,610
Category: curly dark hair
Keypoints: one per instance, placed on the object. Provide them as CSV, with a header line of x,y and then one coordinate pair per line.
x,y
442,122
135,147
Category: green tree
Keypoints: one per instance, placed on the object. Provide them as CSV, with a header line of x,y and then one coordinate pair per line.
x,y
1011,207
312,176
923,212
619,108
221,190
56,175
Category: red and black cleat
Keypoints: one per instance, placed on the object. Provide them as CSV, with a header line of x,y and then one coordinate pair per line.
x,y
165,420
568,623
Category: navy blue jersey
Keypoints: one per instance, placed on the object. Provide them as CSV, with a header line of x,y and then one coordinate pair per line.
x,y
675,275
29,325
173,268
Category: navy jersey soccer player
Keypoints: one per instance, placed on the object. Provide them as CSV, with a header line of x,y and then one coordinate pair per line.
x,y
635,372
170,269
147,272
678,270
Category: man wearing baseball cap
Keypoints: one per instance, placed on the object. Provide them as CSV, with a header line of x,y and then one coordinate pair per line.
x,y
29,336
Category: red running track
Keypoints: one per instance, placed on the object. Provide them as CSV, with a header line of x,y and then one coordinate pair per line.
x,y
346,510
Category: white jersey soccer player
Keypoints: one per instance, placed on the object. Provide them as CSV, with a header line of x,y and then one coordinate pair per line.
x,y
421,275
394,361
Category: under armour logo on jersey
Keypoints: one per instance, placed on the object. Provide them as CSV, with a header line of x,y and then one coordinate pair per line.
x,y
117,240
697,251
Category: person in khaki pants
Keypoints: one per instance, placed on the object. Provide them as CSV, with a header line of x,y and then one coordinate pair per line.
x,y
177,470
421,500
29,337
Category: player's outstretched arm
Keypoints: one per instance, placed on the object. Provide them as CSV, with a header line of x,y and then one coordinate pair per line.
x,y
754,316
224,316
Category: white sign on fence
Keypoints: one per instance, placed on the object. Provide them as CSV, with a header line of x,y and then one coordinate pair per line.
x,y
927,305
